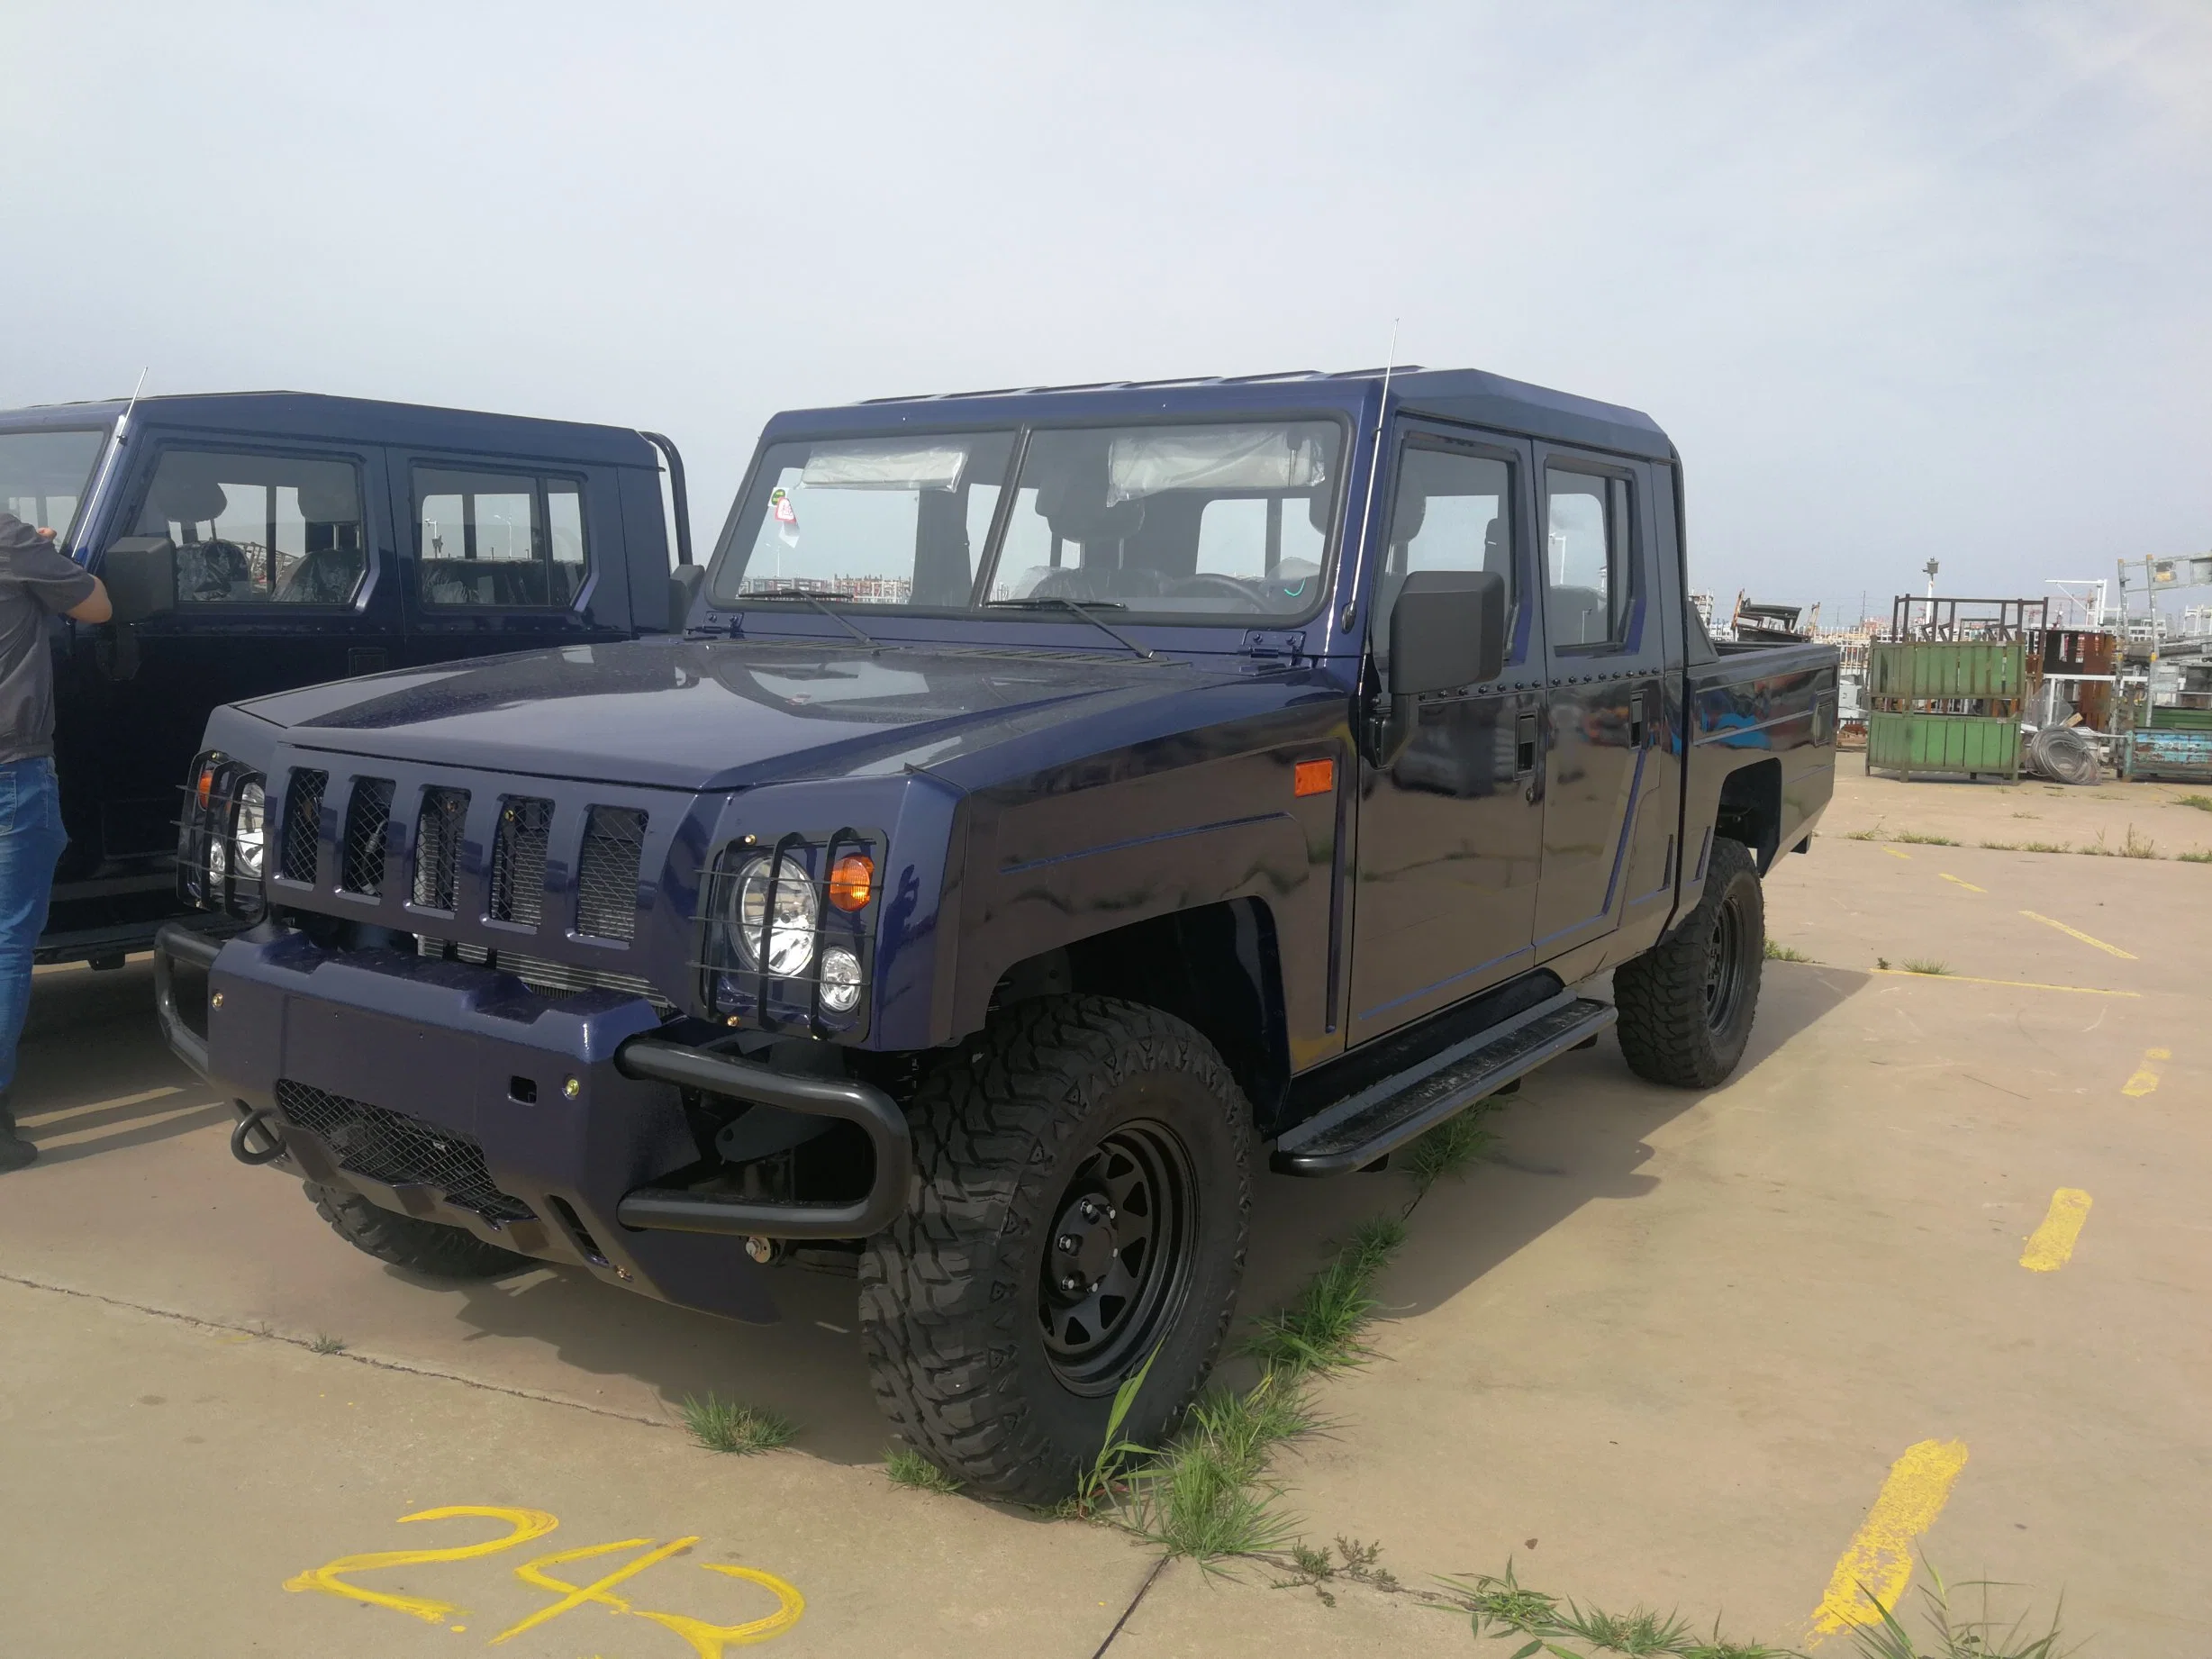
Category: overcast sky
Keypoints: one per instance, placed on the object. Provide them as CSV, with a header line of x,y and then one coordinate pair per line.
x,y
1901,280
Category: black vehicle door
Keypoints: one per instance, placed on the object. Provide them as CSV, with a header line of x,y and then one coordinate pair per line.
x,y
283,563
505,555
1606,662
1449,836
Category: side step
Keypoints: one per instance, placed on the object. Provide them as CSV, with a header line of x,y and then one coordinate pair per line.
x,y
1364,1126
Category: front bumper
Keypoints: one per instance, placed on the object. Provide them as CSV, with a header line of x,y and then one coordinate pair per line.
x,y
455,1093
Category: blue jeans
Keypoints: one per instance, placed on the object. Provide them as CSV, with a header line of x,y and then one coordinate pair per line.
x,y
31,843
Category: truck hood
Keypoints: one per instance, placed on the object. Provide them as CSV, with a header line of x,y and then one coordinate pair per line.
x,y
710,715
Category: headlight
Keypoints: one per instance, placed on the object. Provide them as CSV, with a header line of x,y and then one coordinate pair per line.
x,y
249,836
840,980
790,931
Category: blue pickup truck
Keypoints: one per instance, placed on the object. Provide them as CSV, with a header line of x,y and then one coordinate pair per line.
x,y
1057,800
255,542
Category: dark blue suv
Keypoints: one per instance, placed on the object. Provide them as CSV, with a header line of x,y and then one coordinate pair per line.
x,y
1055,797
258,541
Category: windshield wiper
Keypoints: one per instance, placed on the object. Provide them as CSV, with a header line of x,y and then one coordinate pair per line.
x,y
1082,608
815,599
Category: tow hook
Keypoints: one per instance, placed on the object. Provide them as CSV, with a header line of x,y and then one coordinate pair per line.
x,y
766,1251
263,1120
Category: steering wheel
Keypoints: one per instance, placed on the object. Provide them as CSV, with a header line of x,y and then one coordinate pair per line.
x,y
223,565
1213,582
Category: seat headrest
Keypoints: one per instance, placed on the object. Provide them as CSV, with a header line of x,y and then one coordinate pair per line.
x,y
328,501
1407,521
184,498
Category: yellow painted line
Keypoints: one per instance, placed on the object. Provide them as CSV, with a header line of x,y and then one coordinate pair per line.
x,y
1967,884
60,1112
1878,1561
2077,933
2018,985
2050,1246
2146,1080
1895,854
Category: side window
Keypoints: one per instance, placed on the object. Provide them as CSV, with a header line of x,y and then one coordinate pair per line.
x,y
515,541
1587,563
257,529
1453,511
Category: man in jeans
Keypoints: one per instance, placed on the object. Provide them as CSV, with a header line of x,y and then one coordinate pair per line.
x,y
37,580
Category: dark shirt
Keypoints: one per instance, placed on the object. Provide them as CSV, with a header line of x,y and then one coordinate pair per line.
x,y
36,581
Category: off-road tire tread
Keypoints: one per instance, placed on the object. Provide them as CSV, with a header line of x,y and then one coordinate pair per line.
x,y
942,1304
1661,994
421,1246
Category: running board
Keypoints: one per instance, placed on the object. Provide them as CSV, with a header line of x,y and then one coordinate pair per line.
x,y
1371,1124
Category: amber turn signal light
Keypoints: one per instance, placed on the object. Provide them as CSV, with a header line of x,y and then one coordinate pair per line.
x,y
852,881
1313,778
206,785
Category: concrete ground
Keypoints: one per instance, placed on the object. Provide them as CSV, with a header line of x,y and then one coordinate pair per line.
x,y
1667,1348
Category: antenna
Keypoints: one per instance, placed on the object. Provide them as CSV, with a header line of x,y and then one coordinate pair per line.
x,y
1375,470
122,421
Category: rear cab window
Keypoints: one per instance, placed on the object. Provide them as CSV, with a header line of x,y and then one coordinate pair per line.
x,y
499,538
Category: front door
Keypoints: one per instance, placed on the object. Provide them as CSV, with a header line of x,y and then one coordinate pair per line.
x,y
1450,835
1606,670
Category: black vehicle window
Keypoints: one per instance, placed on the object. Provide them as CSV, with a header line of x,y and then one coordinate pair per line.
x,y
1587,566
257,529
1453,511
509,539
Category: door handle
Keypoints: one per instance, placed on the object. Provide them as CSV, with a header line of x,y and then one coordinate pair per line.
x,y
1525,744
1635,721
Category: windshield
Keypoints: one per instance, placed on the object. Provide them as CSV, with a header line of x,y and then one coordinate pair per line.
x,y
43,477
1166,523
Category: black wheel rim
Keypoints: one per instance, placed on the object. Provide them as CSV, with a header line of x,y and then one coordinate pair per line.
x,y
1118,1259
1724,972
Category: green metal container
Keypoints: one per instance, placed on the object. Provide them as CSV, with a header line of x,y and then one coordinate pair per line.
x,y
1946,706
1934,743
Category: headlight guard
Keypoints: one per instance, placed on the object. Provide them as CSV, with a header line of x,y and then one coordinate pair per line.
x,y
222,838
772,912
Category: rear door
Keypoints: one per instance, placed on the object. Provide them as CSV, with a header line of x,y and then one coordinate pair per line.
x,y
283,571
1605,672
507,555
1450,834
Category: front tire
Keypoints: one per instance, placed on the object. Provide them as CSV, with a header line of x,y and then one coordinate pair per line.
x,y
1081,1197
430,1247
1686,1004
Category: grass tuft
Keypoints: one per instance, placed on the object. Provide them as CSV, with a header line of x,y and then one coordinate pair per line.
x,y
1783,953
1985,1637
1314,1569
2203,855
2138,846
907,1467
725,1426
1453,1147
2203,803
1503,1608
1874,834
1319,1330
1924,965
1914,838
1207,1496
327,1344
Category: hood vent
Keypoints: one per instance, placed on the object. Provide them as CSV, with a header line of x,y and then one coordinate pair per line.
x,y
607,873
438,848
303,823
369,814
518,860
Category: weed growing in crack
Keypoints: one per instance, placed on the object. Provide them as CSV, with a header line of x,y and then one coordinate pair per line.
x,y
324,1342
1207,1496
1453,1147
1975,1638
1315,1569
1783,953
725,1426
1503,1608
1319,1330
1924,965
2203,803
905,1466
1914,838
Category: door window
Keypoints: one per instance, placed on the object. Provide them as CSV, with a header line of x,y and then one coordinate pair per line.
x,y
512,540
1453,511
1587,560
257,529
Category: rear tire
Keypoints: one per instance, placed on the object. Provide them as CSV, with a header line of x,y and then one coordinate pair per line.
x,y
421,1246
994,1349
1686,1004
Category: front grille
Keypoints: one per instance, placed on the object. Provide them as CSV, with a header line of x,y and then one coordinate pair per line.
x,y
303,822
607,873
554,980
438,848
400,1151
368,813
518,860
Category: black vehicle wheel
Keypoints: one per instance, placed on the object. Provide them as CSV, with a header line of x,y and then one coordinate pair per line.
x,y
1686,1005
1080,1201
421,1246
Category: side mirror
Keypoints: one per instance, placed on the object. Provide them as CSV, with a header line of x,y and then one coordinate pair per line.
x,y
684,585
1447,629
140,574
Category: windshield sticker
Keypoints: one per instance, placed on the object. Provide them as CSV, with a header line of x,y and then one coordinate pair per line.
x,y
786,516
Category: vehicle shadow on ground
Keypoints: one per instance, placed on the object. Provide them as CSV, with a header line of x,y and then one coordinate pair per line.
x,y
1594,1115
93,1073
